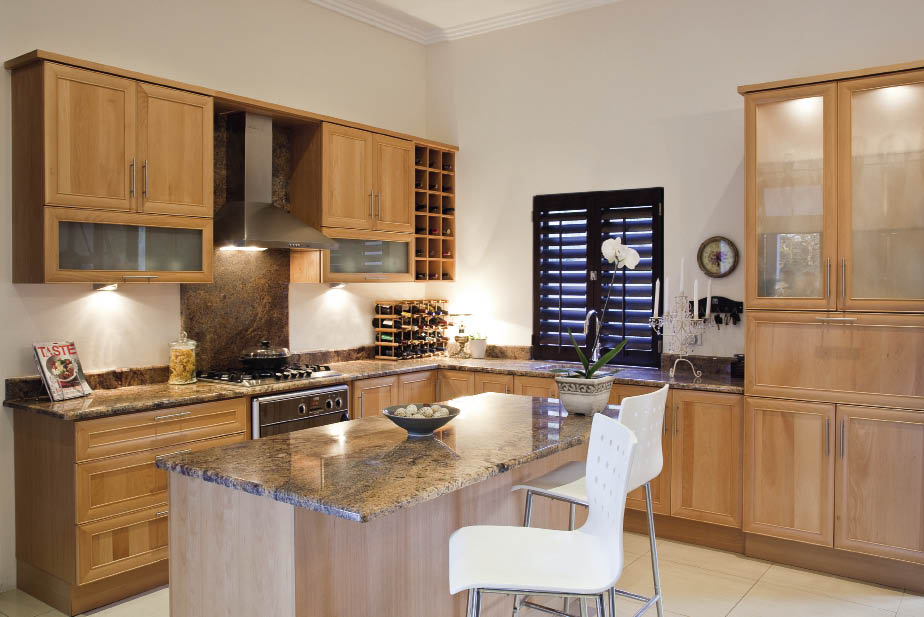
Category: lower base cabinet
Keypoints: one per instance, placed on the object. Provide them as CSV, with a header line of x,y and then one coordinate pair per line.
x,y
542,387
371,396
493,382
417,388
453,384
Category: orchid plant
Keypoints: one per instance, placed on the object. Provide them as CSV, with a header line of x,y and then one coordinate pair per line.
x,y
615,252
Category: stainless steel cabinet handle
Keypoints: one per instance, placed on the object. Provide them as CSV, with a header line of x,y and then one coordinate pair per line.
x,y
146,277
844,280
161,513
843,443
372,204
676,424
144,187
827,436
362,405
133,176
827,277
837,319
160,456
172,415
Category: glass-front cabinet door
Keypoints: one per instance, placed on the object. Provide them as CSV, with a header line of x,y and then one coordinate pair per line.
x,y
790,144
881,193
100,247
368,257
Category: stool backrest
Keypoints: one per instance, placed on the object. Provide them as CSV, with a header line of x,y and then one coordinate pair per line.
x,y
644,416
609,459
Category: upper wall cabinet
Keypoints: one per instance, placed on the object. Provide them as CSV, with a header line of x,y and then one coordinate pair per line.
x,y
834,178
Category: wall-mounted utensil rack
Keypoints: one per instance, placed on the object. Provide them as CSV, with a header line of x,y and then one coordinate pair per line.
x,y
410,328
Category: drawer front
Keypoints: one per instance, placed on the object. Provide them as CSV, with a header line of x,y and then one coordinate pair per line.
x,y
138,432
130,482
854,358
120,544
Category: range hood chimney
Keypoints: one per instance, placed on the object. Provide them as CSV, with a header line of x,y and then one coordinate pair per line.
x,y
249,220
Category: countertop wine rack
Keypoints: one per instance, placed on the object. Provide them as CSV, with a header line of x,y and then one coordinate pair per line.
x,y
410,328
434,214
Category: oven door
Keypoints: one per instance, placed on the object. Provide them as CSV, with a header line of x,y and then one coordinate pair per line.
x,y
302,423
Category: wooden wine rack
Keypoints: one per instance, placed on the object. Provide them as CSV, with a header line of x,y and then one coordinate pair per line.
x,y
415,319
434,214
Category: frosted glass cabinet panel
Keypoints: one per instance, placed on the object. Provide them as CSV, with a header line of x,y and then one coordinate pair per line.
x,y
368,257
881,198
791,197
94,246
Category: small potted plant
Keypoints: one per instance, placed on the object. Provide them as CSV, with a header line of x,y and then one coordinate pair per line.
x,y
477,345
582,392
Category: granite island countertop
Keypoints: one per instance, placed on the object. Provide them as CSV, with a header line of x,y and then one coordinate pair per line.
x,y
131,399
369,468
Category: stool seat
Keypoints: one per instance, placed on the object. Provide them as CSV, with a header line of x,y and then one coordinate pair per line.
x,y
517,558
566,483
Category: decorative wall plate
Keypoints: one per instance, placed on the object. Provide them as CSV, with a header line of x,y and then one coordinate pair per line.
x,y
717,257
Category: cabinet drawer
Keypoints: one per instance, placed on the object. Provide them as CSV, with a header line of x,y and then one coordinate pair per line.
x,y
119,544
859,358
153,429
129,482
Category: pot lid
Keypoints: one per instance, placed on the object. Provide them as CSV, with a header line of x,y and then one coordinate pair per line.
x,y
265,351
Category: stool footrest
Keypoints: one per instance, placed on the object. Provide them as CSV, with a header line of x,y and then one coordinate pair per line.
x,y
545,609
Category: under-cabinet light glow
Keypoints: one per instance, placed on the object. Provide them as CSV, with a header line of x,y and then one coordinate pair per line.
x,y
105,286
250,249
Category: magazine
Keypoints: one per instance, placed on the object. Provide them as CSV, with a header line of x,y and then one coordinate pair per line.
x,y
60,369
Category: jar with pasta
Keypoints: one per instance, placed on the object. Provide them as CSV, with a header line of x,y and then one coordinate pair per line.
x,y
182,360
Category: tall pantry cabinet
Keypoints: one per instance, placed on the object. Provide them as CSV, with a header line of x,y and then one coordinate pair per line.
x,y
834,411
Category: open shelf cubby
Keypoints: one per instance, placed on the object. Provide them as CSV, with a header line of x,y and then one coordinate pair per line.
x,y
434,213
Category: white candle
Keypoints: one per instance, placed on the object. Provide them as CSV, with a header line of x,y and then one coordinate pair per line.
x,y
656,294
695,298
667,295
709,298
682,267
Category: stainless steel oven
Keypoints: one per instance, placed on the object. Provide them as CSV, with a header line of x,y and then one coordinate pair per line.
x,y
294,411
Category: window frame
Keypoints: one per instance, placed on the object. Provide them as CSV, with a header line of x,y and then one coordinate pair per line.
x,y
595,202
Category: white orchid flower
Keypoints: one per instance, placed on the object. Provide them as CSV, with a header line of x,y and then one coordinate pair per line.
x,y
614,251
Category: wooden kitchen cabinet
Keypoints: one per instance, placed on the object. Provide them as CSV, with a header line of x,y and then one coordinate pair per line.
x,y
493,382
393,183
453,384
121,544
706,457
789,470
417,387
371,396
544,387
175,152
880,482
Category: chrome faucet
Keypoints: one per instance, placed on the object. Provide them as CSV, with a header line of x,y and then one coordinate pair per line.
x,y
595,349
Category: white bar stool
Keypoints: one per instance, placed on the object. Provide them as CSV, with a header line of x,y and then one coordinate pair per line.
x,y
644,415
524,561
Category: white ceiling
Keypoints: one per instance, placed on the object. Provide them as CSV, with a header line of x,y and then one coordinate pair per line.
x,y
432,21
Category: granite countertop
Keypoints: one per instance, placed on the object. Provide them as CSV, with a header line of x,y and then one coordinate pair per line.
x,y
369,468
130,399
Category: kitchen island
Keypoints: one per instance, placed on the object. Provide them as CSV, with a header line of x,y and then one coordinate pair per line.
x,y
354,518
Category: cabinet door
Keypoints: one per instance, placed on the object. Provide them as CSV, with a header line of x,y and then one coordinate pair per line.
x,y
790,193
543,387
121,543
880,482
789,470
371,396
493,382
706,457
417,388
367,256
89,138
880,181
347,197
394,184
453,384
660,486
175,149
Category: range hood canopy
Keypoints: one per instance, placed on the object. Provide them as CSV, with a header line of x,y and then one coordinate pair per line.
x,y
249,219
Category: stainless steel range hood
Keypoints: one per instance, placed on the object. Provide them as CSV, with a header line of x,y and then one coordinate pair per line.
x,y
249,219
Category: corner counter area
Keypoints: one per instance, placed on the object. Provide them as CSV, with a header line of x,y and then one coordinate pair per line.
x,y
358,510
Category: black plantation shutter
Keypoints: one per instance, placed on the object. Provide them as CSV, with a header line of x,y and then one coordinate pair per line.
x,y
571,277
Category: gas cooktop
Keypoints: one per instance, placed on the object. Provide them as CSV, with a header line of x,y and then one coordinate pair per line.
x,y
296,373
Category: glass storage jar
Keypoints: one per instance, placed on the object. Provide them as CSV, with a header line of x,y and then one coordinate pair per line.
x,y
182,360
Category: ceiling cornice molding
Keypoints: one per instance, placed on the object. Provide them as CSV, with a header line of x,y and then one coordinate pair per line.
x,y
425,33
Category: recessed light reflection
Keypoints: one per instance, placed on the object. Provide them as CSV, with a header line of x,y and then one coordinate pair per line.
x,y
243,249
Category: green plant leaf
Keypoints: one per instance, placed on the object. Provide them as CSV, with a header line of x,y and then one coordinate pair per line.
x,y
606,357
580,353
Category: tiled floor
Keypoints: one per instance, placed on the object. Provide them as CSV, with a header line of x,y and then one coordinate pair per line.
x,y
697,582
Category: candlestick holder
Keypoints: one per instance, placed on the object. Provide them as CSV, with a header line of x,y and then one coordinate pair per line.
x,y
680,328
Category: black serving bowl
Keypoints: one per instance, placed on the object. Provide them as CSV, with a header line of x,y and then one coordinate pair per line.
x,y
420,427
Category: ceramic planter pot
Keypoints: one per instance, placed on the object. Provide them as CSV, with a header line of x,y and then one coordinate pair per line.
x,y
584,397
477,347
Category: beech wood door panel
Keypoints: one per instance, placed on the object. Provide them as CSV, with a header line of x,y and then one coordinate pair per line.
x,y
371,396
347,168
417,388
453,384
394,184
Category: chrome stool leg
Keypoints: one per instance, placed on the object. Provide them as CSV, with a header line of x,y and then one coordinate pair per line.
x,y
476,609
572,516
529,508
600,610
583,607
654,550
470,604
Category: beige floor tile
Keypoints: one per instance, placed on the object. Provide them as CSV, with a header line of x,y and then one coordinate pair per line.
x,y
627,608
844,589
769,600
16,603
688,590
635,543
711,559
912,606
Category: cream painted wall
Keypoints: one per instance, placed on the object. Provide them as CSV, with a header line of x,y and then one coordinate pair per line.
x,y
638,93
284,51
